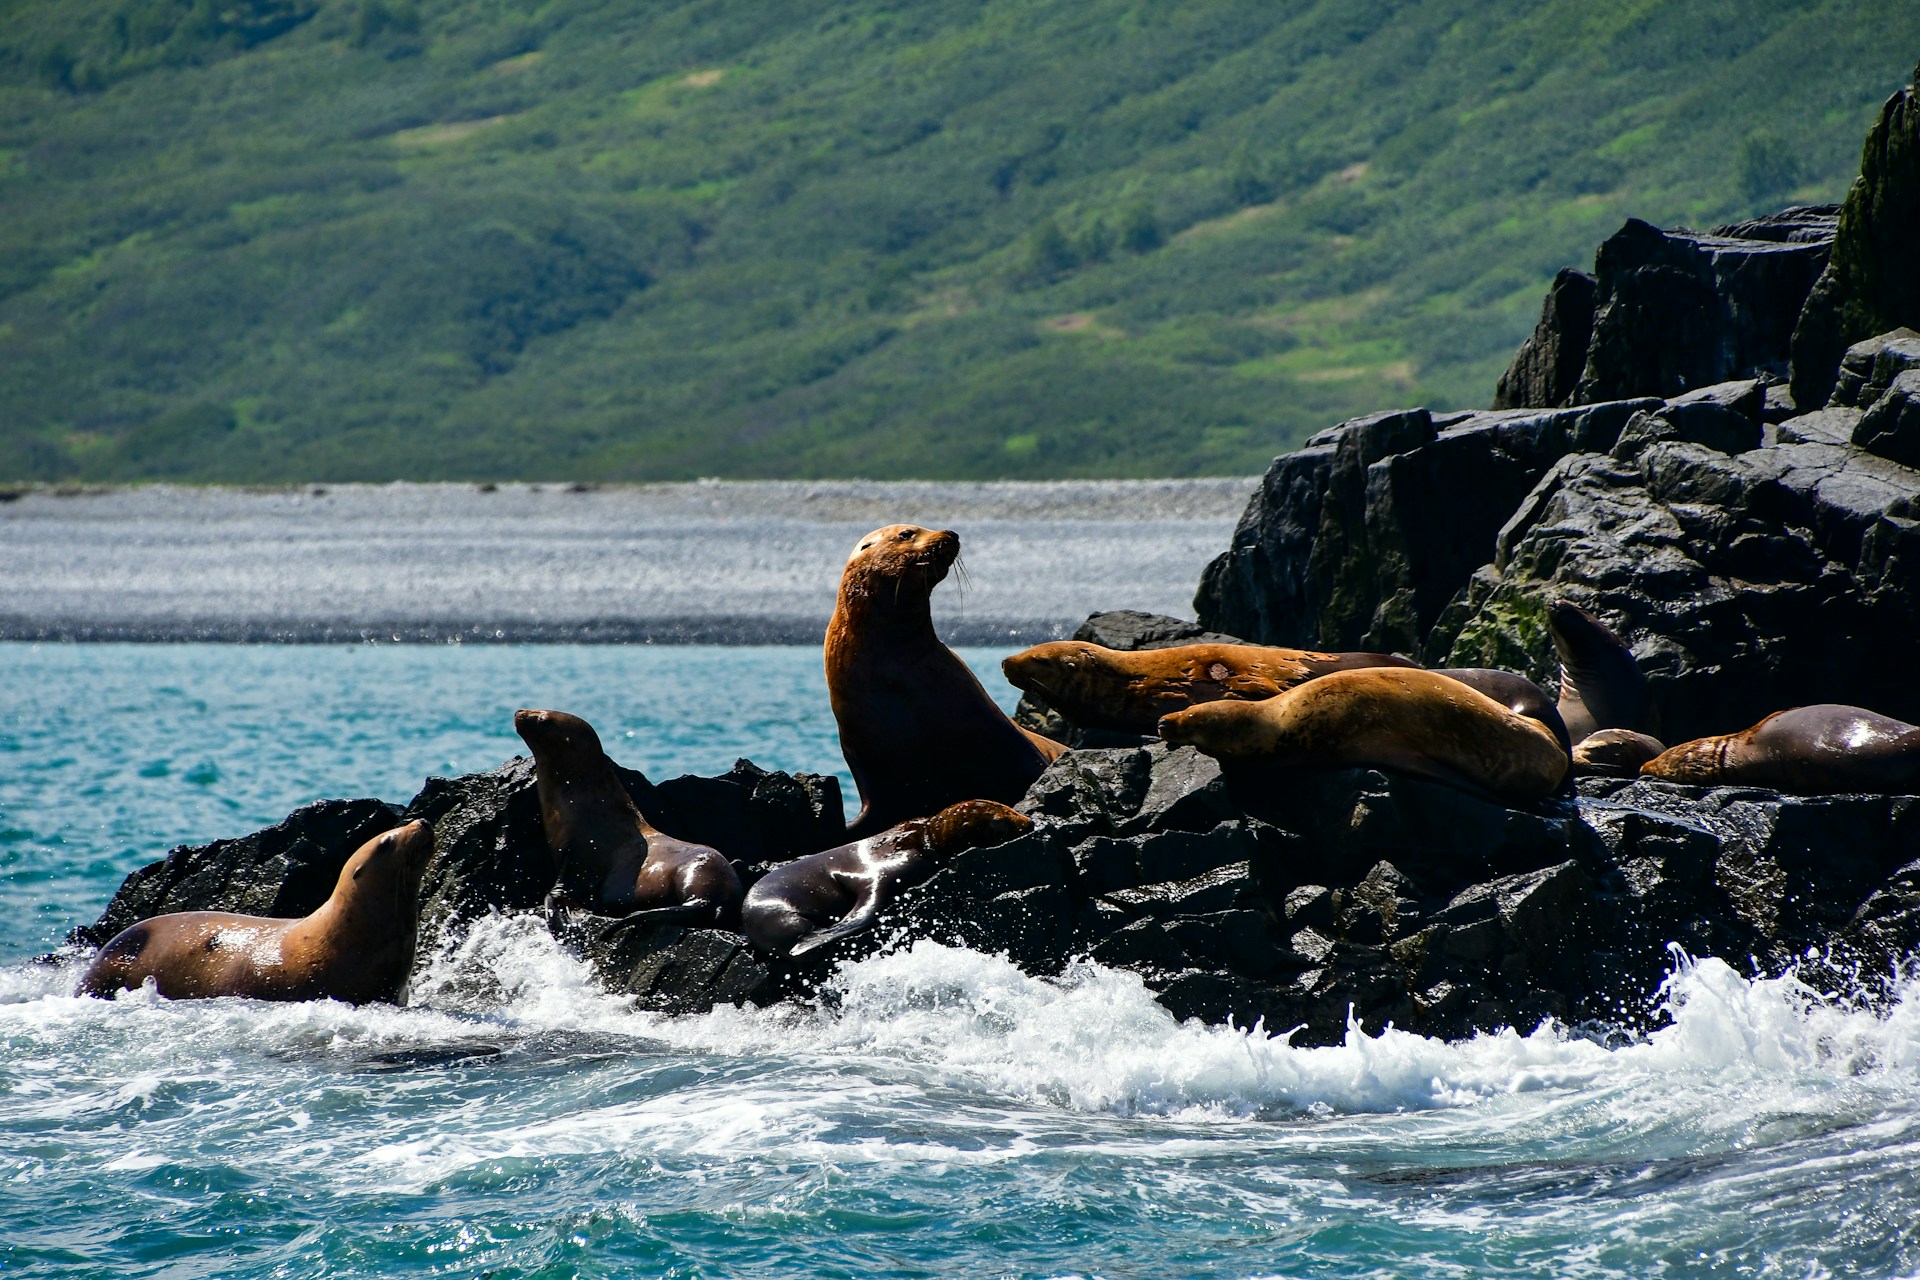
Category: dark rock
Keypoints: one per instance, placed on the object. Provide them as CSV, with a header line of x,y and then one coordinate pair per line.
x,y
490,851
1871,365
1361,539
287,870
1872,283
1735,577
670,969
1548,365
1891,428
1679,310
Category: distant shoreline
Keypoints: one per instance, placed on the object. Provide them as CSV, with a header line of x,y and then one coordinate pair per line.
x,y
705,562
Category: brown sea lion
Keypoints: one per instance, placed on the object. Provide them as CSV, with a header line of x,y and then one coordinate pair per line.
x,y
1414,721
1614,753
1601,685
812,902
1827,749
357,947
918,730
612,861
1129,690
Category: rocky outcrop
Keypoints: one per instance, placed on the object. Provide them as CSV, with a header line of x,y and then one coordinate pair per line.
x,y
490,853
1748,576
1363,537
1668,312
1872,283
1548,365
1737,557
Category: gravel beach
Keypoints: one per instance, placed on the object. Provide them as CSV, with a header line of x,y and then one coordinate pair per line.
x,y
712,561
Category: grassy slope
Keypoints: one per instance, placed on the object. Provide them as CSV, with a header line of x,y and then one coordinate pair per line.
x,y
612,240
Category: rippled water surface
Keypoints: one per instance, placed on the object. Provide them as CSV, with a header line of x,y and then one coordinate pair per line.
x,y
943,1115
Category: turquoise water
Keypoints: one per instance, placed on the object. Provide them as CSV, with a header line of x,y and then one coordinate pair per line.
x,y
946,1116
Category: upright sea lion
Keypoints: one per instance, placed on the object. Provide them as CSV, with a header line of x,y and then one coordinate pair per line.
x,y
812,902
1129,690
1601,686
1827,749
1415,721
918,730
612,861
357,947
1614,753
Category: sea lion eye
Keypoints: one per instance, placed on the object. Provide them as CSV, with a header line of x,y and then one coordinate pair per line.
x,y
865,545
905,535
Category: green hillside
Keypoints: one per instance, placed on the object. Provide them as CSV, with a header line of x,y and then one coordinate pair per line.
x,y
280,240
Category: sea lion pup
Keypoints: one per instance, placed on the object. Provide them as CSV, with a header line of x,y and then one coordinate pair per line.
x,y
1614,753
357,947
1601,686
612,861
1827,749
1129,690
1403,718
918,731
812,902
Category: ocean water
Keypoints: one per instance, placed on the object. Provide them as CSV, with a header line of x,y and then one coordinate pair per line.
x,y
944,1115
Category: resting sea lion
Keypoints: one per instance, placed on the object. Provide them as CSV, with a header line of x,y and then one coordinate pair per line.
x,y
812,902
1415,721
1129,690
1614,753
1601,686
1826,749
612,861
918,731
357,947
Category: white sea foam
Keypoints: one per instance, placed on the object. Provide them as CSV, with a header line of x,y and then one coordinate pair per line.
x,y
1091,1041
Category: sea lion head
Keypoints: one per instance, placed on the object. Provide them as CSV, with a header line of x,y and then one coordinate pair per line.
x,y
974,824
1071,670
553,732
391,863
1615,753
1224,730
904,557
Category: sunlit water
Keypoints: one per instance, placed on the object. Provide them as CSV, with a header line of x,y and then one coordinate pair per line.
x,y
945,1115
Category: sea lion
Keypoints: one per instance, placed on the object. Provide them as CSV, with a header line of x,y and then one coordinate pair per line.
x,y
1514,692
918,730
812,902
1614,753
357,947
612,861
1827,749
1601,686
1415,721
1129,690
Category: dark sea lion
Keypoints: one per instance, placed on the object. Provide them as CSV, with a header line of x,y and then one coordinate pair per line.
x,y
1828,749
612,861
357,947
918,730
1402,718
1601,685
812,902
1514,692
1614,753
1129,690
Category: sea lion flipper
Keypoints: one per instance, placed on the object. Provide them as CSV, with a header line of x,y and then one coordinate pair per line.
x,y
857,921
